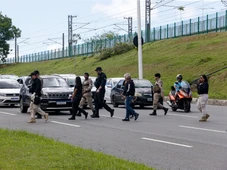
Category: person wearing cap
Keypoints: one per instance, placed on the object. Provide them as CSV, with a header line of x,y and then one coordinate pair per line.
x,y
35,90
158,93
100,83
38,76
86,94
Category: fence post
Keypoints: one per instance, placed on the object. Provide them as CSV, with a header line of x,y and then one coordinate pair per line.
x,y
207,23
182,28
190,26
198,25
226,20
167,31
160,32
216,21
154,34
175,30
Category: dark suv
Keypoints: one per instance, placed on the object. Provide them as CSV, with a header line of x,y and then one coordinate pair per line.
x,y
55,94
143,93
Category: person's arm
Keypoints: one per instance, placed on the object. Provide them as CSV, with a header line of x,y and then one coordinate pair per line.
x,y
103,82
90,85
38,86
74,92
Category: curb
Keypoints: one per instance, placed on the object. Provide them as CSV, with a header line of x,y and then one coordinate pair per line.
x,y
210,101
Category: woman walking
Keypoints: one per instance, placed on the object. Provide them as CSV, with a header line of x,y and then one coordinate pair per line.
x,y
203,88
76,97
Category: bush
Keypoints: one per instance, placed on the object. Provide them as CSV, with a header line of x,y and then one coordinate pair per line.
x,y
119,48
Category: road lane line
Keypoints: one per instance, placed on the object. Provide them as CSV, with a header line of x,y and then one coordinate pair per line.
x,y
113,116
8,113
166,142
67,124
196,128
196,117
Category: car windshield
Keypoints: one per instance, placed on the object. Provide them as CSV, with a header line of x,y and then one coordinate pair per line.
x,y
142,84
54,82
9,85
71,81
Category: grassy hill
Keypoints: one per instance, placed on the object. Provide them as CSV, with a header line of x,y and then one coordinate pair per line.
x,y
189,56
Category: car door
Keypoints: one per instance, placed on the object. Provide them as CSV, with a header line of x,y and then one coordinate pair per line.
x,y
108,90
118,91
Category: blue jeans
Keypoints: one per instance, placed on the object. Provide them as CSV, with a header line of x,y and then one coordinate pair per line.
x,y
129,109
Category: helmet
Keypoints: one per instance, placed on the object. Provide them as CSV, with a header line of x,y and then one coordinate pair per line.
x,y
179,76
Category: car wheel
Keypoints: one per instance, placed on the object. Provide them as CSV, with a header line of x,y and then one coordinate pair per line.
x,y
23,109
114,102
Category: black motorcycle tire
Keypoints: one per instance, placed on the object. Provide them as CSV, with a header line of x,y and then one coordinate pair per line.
x,y
187,106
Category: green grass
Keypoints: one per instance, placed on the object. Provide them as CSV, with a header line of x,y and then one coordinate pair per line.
x,y
22,150
189,56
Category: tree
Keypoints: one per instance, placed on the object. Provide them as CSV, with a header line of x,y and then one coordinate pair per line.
x,y
7,32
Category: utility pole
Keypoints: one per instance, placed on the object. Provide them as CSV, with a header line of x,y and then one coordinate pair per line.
x,y
63,44
140,57
129,27
15,49
148,20
70,33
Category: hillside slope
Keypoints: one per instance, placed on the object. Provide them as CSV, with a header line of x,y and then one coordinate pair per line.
x,y
189,56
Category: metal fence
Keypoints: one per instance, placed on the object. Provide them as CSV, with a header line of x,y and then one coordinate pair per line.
x,y
210,23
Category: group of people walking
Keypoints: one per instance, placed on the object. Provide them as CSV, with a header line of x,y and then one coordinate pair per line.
x,y
82,94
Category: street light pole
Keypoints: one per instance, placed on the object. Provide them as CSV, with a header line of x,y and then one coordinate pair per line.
x,y
140,56
15,49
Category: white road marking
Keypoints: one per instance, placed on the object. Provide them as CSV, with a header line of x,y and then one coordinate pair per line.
x,y
196,128
196,117
8,113
113,116
67,124
166,142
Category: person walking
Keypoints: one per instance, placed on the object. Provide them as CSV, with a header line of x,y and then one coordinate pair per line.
x,y
35,90
86,95
99,101
76,98
128,96
203,88
38,76
158,93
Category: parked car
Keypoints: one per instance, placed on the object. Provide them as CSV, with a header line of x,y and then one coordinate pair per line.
x,y
143,93
9,76
9,92
110,84
55,94
69,78
93,90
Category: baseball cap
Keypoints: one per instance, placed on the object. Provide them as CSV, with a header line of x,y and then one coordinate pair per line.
x,y
32,74
98,69
36,72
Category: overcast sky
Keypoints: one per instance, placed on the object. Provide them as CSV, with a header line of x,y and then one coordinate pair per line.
x,y
43,21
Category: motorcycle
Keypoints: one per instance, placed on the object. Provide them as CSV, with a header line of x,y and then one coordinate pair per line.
x,y
181,99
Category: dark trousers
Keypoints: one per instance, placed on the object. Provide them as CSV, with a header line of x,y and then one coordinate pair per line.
x,y
99,102
75,106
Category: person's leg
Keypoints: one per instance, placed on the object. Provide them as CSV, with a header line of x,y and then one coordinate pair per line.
x,y
203,103
155,104
97,105
74,109
126,113
32,114
103,103
159,105
40,111
199,104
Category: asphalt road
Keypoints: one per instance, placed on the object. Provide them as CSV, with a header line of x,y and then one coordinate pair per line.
x,y
177,141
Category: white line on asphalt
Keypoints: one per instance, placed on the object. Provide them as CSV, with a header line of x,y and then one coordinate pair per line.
x,y
67,124
196,128
166,142
113,116
196,117
8,113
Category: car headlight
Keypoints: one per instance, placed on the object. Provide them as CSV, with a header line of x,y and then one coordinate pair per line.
x,y
138,94
2,94
45,95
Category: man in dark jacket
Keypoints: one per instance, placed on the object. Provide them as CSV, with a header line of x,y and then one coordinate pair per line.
x,y
100,83
35,90
38,76
128,96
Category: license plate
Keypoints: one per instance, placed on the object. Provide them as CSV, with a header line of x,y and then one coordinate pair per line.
x,y
14,99
149,99
61,103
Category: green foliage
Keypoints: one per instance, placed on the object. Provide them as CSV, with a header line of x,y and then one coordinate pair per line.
x,y
22,150
7,32
119,48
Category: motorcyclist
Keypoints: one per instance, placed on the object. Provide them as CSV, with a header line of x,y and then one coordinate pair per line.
x,y
177,85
